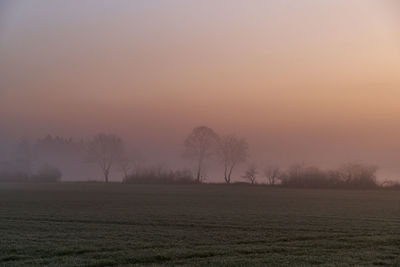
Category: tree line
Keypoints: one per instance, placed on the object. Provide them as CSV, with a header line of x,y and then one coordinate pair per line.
x,y
108,152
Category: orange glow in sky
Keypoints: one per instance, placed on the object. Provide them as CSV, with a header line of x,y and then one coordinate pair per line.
x,y
313,81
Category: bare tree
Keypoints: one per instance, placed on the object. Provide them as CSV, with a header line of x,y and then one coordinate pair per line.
x,y
105,150
200,145
251,174
232,151
272,174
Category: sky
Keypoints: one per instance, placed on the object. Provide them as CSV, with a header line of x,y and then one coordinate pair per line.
x,y
302,80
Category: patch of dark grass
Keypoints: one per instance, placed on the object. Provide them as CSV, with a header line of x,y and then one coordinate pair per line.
x,y
107,225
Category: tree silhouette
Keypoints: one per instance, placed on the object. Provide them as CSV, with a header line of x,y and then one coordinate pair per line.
x,y
251,173
232,151
105,150
200,145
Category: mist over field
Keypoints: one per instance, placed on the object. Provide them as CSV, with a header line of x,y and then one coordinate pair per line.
x,y
301,81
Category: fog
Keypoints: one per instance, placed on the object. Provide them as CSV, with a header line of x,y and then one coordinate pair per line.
x,y
302,82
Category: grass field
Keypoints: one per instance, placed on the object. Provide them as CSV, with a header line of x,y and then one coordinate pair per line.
x,y
98,224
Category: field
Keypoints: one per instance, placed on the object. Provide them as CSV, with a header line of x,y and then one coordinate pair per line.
x,y
95,224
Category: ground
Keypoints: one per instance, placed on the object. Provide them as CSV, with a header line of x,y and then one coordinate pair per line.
x,y
95,224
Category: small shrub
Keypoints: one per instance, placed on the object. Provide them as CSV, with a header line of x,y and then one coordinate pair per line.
x,y
47,173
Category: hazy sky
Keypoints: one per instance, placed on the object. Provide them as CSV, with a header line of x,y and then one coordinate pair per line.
x,y
302,80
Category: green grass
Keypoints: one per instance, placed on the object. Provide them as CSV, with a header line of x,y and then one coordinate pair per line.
x,y
94,224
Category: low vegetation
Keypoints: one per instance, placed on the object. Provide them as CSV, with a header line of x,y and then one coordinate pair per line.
x,y
159,176
351,175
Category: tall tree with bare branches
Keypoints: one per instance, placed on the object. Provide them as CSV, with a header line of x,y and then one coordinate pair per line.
x,y
105,150
232,151
199,146
251,173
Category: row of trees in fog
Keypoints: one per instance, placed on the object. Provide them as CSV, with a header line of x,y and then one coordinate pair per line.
x,y
202,144
109,153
